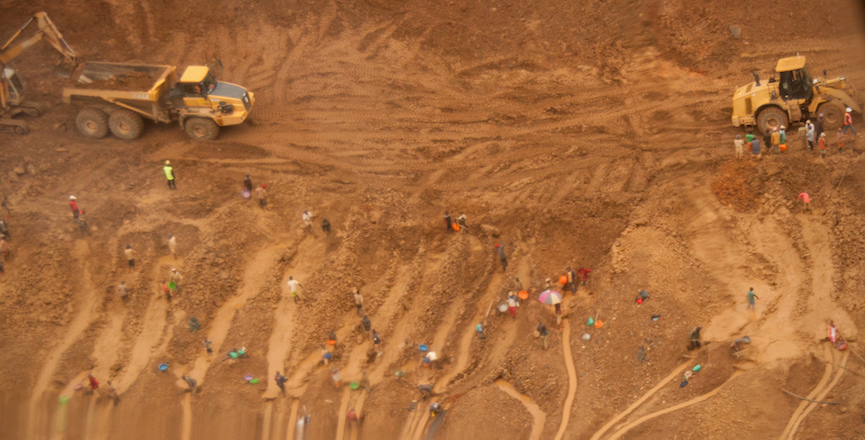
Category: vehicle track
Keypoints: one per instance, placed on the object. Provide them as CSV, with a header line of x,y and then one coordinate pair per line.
x,y
676,372
38,420
624,430
572,376
818,393
538,415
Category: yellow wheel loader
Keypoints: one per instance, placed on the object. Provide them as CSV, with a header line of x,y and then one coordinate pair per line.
x,y
793,98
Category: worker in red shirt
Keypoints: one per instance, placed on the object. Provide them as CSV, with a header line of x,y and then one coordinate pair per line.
x,y
73,203
806,201
848,121
584,276
94,384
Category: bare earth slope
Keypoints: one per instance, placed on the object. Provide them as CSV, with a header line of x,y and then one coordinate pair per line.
x,y
592,133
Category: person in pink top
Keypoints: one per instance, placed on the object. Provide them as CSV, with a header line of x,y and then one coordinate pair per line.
x,y
806,201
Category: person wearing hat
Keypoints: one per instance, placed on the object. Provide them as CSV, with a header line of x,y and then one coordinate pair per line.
x,y
776,141
783,132
175,277
848,121
810,134
513,303
822,143
169,174
740,147
73,203
500,248
261,195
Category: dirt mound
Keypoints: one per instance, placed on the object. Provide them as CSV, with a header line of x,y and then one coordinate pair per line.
x,y
126,81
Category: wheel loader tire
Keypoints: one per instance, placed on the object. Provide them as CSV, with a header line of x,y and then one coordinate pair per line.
x,y
125,124
771,117
833,115
92,122
201,129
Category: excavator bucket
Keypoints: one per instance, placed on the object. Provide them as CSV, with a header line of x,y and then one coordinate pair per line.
x,y
65,69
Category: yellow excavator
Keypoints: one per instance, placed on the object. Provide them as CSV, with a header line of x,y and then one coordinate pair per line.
x,y
12,100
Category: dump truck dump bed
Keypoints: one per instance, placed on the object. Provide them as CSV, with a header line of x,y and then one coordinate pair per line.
x,y
137,87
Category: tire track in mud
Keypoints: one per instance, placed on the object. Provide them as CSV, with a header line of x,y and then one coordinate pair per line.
x,y
284,315
819,394
538,415
676,372
37,419
463,351
572,377
152,330
253,283
827,374
622,431
358,407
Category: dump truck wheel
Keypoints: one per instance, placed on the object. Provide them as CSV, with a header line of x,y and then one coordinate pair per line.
x,y
201,129
833,115
125,124
771,117
92,122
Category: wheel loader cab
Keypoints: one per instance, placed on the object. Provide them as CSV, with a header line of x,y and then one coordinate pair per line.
x,y
795,82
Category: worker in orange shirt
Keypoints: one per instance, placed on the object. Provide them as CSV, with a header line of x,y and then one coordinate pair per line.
x,y
848,121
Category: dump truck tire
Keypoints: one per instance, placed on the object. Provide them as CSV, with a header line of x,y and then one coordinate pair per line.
x,y
201,129
772,117
833,115
92,122
125,124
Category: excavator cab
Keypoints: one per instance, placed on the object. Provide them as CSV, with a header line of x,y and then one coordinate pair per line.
x,y
15,88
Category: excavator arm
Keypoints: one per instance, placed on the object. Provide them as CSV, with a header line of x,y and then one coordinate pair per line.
x,y
47,30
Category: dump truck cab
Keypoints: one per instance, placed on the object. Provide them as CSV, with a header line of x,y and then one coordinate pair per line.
x,y
198,94
793,97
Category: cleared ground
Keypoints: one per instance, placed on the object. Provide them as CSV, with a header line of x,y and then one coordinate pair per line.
x,y
590,133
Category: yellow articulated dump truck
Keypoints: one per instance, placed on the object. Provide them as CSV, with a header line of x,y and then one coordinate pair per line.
x,y
793,98
117,97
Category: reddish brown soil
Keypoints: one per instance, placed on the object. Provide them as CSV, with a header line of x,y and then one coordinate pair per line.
x,y
593,133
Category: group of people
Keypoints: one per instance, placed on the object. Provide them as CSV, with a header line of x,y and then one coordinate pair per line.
x,y
810,134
